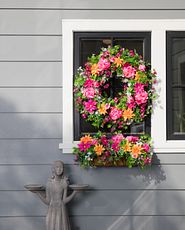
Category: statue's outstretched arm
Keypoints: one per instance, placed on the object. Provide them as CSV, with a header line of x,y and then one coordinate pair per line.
x,y
43,196
70,197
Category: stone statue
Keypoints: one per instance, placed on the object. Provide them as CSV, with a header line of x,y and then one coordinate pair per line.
x,y
56,197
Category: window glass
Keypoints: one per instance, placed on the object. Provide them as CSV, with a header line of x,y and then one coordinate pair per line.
x,y
176,85
87,44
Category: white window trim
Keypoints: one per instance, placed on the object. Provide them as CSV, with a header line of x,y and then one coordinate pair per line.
x,y
158,30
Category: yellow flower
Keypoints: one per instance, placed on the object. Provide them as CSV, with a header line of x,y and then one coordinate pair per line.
x,y
86,139
137,76
94,69
128,114
136,150
99,149
118,61
127,147
102,109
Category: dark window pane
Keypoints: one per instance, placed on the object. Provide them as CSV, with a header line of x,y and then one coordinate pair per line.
x,y
178,111
176,85
131,44
91,43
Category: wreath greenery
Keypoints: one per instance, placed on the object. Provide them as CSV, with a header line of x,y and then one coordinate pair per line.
x,y
92,91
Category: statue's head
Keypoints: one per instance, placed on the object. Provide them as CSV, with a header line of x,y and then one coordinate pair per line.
x,y
58,168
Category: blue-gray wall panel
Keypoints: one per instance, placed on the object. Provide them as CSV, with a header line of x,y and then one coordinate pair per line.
x,y
100,223
30,74
30,125
99,202
103,4
159,177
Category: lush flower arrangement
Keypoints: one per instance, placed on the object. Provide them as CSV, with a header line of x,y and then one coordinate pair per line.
x,y
92,89
98,150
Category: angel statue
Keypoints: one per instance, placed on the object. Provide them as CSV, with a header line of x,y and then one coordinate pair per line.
x,y
55,195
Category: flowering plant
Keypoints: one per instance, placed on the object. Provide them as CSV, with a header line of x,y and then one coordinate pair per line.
x,y
98,150
92,91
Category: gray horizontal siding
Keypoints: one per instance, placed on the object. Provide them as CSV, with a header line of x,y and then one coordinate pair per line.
x,y
80,4
28,48
100,222
30,74
27,125
99,202
49,22
160,177
26,100
30,151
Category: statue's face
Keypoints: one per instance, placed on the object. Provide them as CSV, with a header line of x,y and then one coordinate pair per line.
x,y
58,168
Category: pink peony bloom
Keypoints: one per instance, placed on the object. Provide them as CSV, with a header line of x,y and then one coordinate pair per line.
x,y
103,64
132,139
117,138
115,113
90,106
139,87
129,71
89,92
146,147
130,102
141,97
142,68
89,83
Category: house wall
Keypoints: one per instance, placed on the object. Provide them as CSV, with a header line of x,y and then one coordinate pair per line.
x,y
31,126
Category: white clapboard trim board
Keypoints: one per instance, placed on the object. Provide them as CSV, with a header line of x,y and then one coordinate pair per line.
x,y
158,30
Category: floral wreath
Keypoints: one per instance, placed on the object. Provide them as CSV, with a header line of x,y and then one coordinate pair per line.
x,y
92,92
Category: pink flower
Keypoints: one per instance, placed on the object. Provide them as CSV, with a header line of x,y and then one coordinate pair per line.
x,y
90,106
112,59
130,102
146,147
129,71
132,139
142,68
117,138
104,140
115,147
103,64
84,146
89,83
131,52
141,97
139,87
115,113
89,92
96,84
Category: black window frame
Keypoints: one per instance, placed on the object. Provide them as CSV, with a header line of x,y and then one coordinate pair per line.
x,y
77,36
170,35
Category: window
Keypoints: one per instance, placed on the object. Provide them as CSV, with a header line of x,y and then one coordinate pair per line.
x,y
167,134
176,85
88,43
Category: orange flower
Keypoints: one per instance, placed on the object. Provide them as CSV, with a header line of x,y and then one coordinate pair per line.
x,y
86,139
136,150
94,69
137,76
127,147
102,109
128,114
99,149
118,61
